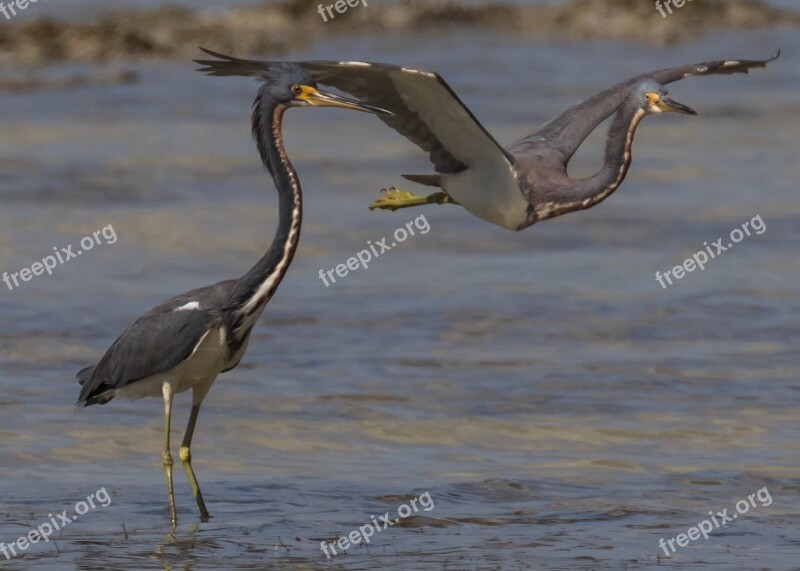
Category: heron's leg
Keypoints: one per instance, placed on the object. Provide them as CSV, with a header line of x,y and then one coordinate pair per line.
x,y
394,199
186,454
167,392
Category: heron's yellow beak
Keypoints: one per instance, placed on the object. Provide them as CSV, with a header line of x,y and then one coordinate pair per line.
x,y
667,104
314,96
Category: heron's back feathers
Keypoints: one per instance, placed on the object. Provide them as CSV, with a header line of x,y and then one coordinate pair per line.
x,y
155,343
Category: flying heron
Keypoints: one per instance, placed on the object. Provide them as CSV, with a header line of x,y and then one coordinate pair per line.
x,y
185,342
515,186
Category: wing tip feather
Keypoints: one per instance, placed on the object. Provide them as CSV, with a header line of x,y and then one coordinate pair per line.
x,y
226,65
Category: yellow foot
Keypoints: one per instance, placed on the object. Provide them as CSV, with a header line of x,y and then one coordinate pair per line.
x,y
394,199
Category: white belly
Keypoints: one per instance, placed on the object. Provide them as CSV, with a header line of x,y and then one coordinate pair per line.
x,y
490,193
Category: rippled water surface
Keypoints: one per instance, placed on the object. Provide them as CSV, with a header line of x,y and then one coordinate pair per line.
x,y
562,410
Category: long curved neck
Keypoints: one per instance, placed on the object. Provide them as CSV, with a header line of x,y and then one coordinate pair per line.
x,y
617,155
579,194
252,291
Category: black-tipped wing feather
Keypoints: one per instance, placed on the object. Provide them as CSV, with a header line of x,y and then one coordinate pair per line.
x,y
426,110
717,67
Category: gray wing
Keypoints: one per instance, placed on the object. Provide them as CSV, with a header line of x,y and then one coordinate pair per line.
x,y
565,133
155,343
426,110
717,67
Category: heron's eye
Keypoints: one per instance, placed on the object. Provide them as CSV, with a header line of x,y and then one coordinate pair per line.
x,y
297,90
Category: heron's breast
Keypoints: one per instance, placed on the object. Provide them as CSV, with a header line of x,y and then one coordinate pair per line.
x,y
209,357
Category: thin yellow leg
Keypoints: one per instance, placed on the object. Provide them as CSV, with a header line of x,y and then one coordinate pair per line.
x,y
166,457
186,458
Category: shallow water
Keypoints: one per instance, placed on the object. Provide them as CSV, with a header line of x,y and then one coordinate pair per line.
x,y
562,409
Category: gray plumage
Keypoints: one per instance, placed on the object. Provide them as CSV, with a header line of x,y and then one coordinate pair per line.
x,y
187,341
525,182
155,343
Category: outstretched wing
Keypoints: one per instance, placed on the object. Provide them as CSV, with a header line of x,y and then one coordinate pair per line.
x,y
155,343
566,132
426,110
718,67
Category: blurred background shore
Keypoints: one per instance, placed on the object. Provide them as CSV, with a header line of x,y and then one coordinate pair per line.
x,y
91,32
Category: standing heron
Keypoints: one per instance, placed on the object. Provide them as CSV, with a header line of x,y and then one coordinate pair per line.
x,y
187,341
515,186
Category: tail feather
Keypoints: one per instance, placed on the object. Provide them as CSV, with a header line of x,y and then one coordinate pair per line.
x,y
92,392
85,374
425,179
101,394
229,65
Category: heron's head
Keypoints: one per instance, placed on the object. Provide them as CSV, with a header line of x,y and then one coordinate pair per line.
x,y
655,99
289,84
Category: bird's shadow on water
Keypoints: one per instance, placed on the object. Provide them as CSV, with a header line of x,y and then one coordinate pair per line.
x,y
169,549
182,549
